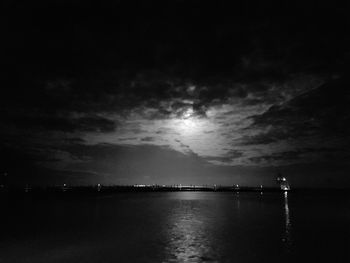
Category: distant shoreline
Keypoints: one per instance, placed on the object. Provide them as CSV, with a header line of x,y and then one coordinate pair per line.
x,y
154,188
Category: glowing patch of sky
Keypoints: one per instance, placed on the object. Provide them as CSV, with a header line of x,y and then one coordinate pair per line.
x,y
212,135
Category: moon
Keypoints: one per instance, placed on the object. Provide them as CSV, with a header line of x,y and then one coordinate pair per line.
x,y
188,124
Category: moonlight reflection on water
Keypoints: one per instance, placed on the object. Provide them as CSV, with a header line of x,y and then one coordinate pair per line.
x,y
177,227
189,234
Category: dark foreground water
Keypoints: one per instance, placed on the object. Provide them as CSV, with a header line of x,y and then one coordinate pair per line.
x,y
177,227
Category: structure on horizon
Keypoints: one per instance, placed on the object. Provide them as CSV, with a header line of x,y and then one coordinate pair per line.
x,y
282,181
3,180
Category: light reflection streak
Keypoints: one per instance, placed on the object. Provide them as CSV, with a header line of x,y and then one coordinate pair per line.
x,y
288,226
188,234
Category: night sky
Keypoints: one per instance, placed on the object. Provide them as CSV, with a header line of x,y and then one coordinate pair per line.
x,y
175,92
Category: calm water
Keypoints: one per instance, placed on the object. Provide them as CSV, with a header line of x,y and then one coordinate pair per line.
x,y
177,227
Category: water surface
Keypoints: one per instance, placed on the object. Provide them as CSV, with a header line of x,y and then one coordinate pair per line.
x,y
176,227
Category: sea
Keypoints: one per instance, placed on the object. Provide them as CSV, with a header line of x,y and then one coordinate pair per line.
x,y
176,227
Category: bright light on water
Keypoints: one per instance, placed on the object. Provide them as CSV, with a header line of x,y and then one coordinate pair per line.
x,y
177,227
287,236
187,234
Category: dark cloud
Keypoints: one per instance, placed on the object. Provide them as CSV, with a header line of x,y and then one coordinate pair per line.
x,y
74,69
263,138
323,111
292,155
231,155
59,122
303,155
147,139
